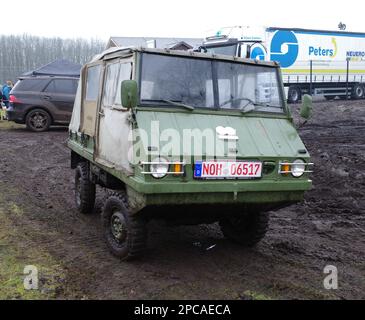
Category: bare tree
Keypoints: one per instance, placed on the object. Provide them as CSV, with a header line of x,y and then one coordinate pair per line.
x,y
22,53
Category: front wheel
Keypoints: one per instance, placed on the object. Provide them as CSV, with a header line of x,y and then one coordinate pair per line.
x,y
125,233
84,189
246,230
294,94
38,120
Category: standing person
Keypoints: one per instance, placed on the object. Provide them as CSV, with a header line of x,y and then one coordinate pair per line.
x,y
2,112
6,96
6,92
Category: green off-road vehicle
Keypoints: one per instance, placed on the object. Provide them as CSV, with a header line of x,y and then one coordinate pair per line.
x,y
188,137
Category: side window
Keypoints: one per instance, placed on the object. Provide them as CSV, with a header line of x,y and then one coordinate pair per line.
x,y
92,83
125,73
111,81
31,85
62,86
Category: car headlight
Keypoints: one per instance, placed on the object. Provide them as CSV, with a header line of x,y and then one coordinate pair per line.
x,y
298,168
159,168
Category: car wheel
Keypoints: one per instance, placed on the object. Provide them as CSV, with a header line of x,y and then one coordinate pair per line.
x,y
125,233
84,189
38,120
294,95
247,230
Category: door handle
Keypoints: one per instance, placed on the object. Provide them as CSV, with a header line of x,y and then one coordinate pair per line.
x,y
47,97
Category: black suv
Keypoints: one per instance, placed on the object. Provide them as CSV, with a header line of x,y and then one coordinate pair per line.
x,y
42,101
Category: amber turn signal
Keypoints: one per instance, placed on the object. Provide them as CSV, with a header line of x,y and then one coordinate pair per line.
x,y
285,169
177,169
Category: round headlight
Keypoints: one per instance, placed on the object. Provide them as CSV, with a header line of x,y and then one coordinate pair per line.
x,y
298,168
159,168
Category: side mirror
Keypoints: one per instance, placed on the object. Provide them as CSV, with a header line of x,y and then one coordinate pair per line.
x,y
307,106
129,93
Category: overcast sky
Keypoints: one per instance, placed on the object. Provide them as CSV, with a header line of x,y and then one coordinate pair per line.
x,y
183,18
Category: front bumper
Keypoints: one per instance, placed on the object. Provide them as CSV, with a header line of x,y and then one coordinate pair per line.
x,y
227,198
216,186
223,192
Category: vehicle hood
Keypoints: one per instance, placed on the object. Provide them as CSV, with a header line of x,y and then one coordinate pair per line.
x,y
257,136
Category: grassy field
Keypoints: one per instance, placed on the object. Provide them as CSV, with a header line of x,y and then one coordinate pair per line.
x,y
17,251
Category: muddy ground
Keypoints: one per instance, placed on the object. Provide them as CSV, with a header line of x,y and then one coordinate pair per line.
x,y
39,225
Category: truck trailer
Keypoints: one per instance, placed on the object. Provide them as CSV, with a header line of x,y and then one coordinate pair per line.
x,y
315,62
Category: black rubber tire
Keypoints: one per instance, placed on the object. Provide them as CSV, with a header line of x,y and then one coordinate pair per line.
x,y
358,92
330,98
294,94
38,120
131,242
84,189
247,230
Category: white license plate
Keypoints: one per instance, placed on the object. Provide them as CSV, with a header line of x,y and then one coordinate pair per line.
x,y
228,170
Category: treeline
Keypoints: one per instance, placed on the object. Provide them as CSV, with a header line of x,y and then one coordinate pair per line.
x,y
19,54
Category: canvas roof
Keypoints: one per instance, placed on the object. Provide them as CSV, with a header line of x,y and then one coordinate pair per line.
x,y
143,42
116,52
60,67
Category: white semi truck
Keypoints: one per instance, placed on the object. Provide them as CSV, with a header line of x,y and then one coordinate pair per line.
x,y
316,62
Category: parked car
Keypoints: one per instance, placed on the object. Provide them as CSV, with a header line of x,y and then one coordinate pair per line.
x,y
40,102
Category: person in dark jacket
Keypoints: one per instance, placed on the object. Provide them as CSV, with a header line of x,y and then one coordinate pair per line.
x,y
2,106
6,92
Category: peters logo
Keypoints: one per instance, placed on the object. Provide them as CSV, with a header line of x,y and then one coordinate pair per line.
x,y
258,52
324,52
284,48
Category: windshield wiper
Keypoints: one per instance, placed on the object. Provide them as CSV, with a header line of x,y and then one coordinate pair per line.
x,y
174,103
179,104
251,106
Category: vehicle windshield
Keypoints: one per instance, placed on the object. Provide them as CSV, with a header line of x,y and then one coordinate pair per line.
x,y
202,83
229,50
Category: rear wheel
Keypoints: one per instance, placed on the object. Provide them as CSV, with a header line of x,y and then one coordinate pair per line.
x,y
125,233
84,189
294,95
38,120
330,98
358,92
247,230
